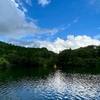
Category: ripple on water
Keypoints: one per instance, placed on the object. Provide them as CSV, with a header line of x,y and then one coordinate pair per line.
x,y
56,86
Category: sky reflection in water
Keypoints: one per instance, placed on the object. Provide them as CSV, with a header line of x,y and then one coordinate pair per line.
x,y
57,85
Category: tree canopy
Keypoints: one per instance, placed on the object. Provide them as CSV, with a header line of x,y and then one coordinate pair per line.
x,y
84,57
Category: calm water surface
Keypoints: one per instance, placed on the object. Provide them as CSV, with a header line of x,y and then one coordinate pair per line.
x,y
45,84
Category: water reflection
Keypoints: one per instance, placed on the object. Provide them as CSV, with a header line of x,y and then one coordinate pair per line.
x,y
56,85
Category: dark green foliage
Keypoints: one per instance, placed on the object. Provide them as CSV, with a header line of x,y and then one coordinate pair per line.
x,y
26,57
3,63
82,58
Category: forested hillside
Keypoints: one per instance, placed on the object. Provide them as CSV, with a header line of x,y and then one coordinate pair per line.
x,y
15,56
82,59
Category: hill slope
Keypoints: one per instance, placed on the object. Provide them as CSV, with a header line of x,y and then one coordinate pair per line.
x,y
82,59
11,55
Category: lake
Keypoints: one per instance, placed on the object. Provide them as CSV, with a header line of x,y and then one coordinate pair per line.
x,y
48,84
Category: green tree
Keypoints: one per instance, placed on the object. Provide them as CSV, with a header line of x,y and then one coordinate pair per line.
x,y
4,63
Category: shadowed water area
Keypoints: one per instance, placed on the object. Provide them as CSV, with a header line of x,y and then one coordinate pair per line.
x,y
48,84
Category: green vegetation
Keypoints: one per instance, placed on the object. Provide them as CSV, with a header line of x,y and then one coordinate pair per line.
x,y
82,59
4,63
15,56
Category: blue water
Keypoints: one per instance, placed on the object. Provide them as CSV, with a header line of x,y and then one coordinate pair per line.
x,y
48,85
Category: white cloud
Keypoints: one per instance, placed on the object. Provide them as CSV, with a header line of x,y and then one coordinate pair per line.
x,y
71,42
13,21
44,2
60,44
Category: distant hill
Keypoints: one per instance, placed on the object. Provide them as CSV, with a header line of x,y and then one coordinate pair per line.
x,y
11,56
82,59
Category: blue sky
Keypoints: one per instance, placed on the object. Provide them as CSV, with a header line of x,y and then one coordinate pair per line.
x,y
55,24
82,15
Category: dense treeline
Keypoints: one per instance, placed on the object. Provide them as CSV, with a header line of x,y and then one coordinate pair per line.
x,y
14,56
84,58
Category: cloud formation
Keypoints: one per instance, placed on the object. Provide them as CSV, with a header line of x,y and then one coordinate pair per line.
x,y
13,21
60,44
44,2
71,42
